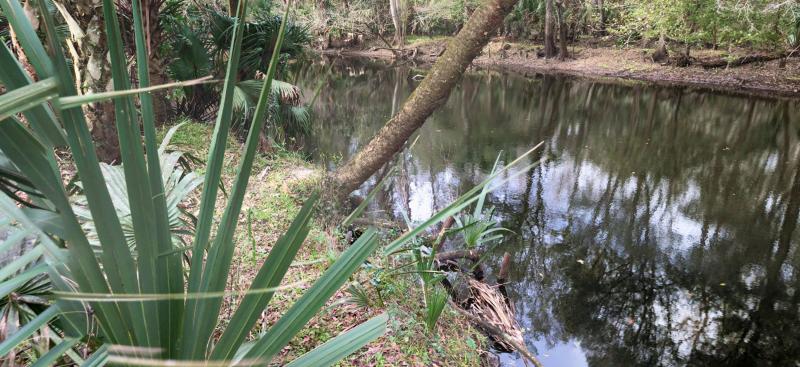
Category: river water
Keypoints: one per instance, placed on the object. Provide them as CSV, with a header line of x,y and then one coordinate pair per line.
x,y
661,230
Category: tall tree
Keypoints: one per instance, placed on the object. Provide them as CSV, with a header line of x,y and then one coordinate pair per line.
x,y
562,31
601,11
429,95
89,52
396,9
153,37
549,29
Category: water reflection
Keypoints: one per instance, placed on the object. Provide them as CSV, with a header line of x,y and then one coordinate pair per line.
x,y
660,232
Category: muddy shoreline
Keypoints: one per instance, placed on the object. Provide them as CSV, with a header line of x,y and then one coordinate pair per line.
x,y
612,65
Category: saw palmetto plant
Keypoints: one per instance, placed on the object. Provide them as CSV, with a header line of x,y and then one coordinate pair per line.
x,y
135,304
198,41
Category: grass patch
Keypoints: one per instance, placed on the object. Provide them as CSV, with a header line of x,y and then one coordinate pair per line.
x,y
415,40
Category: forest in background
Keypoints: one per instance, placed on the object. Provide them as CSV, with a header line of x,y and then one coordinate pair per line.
x,y
753,24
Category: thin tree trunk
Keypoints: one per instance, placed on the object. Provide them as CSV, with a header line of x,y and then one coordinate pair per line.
x,y
396,10
562,32
429,95
157,65
549,29
602,12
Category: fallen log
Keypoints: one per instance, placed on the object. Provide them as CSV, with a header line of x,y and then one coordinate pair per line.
x,y
488,307
446,256
499,333
722,62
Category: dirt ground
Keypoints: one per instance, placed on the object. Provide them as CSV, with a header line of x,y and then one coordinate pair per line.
x,y
609,63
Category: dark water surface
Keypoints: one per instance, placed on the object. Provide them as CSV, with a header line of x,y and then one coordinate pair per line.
x,y
661,231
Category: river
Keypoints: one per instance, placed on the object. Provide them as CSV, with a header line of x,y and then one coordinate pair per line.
x,y
661,229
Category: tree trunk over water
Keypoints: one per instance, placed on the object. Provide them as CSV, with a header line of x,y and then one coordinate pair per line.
x,y
549,29
429,95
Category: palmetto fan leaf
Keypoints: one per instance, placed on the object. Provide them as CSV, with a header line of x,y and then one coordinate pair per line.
x,y
178,185
26,313
199,44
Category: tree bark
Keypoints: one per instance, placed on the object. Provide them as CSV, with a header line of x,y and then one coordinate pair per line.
x,y
600,4
426,98
157,64
396,10
549,29
562,32
92,52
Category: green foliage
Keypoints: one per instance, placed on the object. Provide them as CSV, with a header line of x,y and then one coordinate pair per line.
x,y
479,227
479,230
434,297
435,302
441,16
764,24
758,23
29,323
199,36
178,185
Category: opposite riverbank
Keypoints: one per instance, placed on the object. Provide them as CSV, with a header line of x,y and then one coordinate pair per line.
x,y
774,78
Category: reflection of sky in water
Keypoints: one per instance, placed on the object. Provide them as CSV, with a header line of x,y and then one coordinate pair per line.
x,y
699,195
670,222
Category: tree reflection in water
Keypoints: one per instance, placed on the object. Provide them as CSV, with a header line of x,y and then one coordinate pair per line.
x,y
661,231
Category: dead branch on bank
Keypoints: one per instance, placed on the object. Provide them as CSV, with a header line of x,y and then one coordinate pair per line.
x,y
722,62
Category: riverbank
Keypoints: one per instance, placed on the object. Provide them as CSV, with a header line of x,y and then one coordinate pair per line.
x,y
279,185
608,63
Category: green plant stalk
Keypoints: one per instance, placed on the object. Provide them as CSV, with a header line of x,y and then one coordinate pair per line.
x,y
41,118
26,35
465,200
193,348
269,344
28,329
140,197
75,101
343,345
363,205
221,250
83,264
169,265
269,275
24,98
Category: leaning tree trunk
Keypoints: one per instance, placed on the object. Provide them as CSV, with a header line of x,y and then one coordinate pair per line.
x,y
95,73
549,29
426,98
